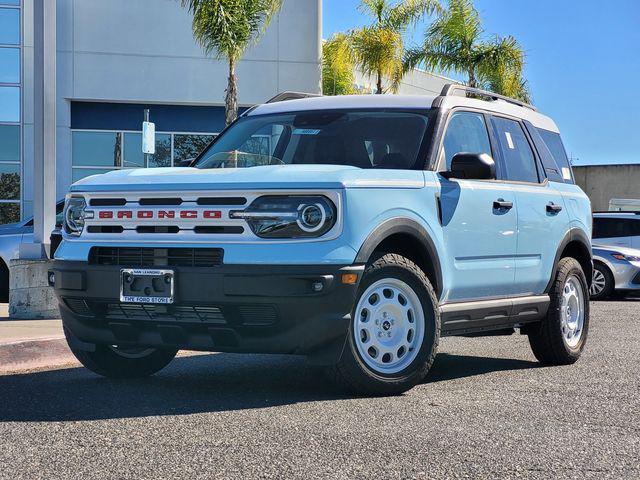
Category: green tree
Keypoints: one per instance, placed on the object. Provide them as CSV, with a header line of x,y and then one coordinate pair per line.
x,y
337,68
225,28
378,49
454,43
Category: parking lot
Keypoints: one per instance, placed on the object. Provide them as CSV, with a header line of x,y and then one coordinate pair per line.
x,y
488,410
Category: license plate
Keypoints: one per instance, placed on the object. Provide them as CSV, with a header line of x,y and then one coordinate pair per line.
x,y
146,286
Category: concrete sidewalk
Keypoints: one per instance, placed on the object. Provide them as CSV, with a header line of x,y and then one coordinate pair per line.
x,y
31,344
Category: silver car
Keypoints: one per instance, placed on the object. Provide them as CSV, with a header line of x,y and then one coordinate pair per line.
x,y
616,270
11,236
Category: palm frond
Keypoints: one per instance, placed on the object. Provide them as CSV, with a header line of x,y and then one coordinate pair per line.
x,y
409,12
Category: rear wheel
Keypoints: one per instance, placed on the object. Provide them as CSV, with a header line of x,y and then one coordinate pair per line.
x,y
562,335
122,362
394,331
603,284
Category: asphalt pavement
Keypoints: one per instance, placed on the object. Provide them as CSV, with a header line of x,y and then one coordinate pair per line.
x,y
487,410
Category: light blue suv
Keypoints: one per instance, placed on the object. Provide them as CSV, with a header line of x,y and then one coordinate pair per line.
x,y
366,228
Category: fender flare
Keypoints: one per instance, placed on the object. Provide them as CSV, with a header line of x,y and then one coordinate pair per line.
x,y
407,226
573,235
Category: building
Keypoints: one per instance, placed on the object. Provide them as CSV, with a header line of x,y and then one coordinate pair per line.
x,y
604,182
117,57
415,82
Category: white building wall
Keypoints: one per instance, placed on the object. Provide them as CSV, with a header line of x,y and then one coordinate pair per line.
x,y
415,82
142,51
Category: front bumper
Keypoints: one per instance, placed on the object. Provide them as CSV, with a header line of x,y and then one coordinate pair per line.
x,y
230,308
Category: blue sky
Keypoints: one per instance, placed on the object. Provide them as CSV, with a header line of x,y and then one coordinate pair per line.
x,y
583,59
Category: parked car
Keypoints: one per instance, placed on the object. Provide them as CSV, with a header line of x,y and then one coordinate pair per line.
x,y
11,236
620,229
616,270
366,228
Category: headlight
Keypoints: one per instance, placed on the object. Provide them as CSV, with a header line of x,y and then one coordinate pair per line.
x,y
75,214
289,216
628,258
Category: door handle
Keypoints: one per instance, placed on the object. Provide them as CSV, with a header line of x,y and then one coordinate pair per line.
x,y
501,204
553,208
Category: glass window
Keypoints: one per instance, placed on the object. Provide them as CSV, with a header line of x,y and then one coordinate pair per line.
x,y
9,65
134,158
555,146
466,132
9,143
96,149
321,137
9,26
9,213
9,181
615,227
80,173
9,104
188,147
9,2
517,155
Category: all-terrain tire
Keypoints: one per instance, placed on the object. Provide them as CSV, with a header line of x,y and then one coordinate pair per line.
x,y
352,372
548,342
108,361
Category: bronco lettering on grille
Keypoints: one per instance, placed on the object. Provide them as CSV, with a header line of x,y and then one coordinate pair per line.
x,y
160,214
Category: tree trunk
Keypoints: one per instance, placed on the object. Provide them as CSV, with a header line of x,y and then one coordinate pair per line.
x,y
379,84
231,99
472,78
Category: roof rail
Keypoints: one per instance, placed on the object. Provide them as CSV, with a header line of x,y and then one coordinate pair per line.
x,y
617,212
284,96
450,89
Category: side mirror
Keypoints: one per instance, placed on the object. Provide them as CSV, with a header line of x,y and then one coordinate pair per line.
x,y
472,166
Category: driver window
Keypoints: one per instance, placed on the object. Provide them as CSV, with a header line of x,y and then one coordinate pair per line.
x,y
466,132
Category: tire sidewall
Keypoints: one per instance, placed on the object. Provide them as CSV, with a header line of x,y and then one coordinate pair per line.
x,y
574,270
608,278
419,366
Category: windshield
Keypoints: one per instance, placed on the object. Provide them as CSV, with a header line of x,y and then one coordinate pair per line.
x,y
365,139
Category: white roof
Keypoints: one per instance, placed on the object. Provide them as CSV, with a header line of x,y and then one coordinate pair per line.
x,y
404,101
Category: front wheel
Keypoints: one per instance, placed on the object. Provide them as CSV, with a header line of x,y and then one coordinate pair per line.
x,y
603,284
394,331
122,362
562,335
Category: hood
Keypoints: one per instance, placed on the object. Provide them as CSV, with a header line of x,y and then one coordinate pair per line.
x,y
12,228
265,177
607,249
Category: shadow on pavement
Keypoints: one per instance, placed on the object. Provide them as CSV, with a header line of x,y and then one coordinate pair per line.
x,y
202,383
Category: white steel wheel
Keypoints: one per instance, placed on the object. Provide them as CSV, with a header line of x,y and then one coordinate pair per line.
x,y
572,311
389,326
598,283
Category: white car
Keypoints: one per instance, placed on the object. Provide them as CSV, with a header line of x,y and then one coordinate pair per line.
x,y
620,229
616,270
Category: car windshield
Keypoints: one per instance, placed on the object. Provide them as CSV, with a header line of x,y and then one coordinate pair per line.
x,y
365,139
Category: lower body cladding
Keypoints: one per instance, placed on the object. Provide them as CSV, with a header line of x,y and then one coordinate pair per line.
x,y
228,308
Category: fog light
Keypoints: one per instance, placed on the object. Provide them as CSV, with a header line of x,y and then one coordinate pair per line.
x,y
317,286
51,276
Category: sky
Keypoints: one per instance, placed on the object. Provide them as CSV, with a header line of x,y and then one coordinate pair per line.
x,y
582,60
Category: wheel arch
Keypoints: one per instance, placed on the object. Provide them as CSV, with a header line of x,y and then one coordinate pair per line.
x,y
406,237
575,244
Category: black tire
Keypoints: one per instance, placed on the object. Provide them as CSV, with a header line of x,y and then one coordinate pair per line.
x,y
547,342
4,282
352,373
106,360
609,283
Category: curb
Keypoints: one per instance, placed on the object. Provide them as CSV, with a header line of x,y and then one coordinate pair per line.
x,y
24,355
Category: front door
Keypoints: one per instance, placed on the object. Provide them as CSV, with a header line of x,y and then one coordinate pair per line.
x,y
478,219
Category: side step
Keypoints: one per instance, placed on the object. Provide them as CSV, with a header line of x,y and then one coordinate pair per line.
x,y
490,315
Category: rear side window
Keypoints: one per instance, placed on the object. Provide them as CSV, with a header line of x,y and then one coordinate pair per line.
x,y
615,227
555,146
518,158
466,132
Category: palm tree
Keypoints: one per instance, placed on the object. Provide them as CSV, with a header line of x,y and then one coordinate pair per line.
x,y
225,28
454,43
378,49
337,69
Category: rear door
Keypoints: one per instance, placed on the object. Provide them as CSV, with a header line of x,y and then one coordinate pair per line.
x,y
479,237
542,217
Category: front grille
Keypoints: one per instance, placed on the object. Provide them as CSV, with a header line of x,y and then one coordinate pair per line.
x,y
195,314
156,257
79,307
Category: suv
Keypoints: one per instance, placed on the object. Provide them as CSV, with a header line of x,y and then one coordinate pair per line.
x,y
366,228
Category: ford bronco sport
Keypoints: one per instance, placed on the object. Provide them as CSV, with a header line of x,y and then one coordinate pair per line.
x,y
366,228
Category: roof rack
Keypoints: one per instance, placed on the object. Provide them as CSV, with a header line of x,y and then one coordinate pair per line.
x,y
450,90
618,212
284,96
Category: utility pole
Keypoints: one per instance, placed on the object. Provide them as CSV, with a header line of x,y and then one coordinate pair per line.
x,y
44,168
